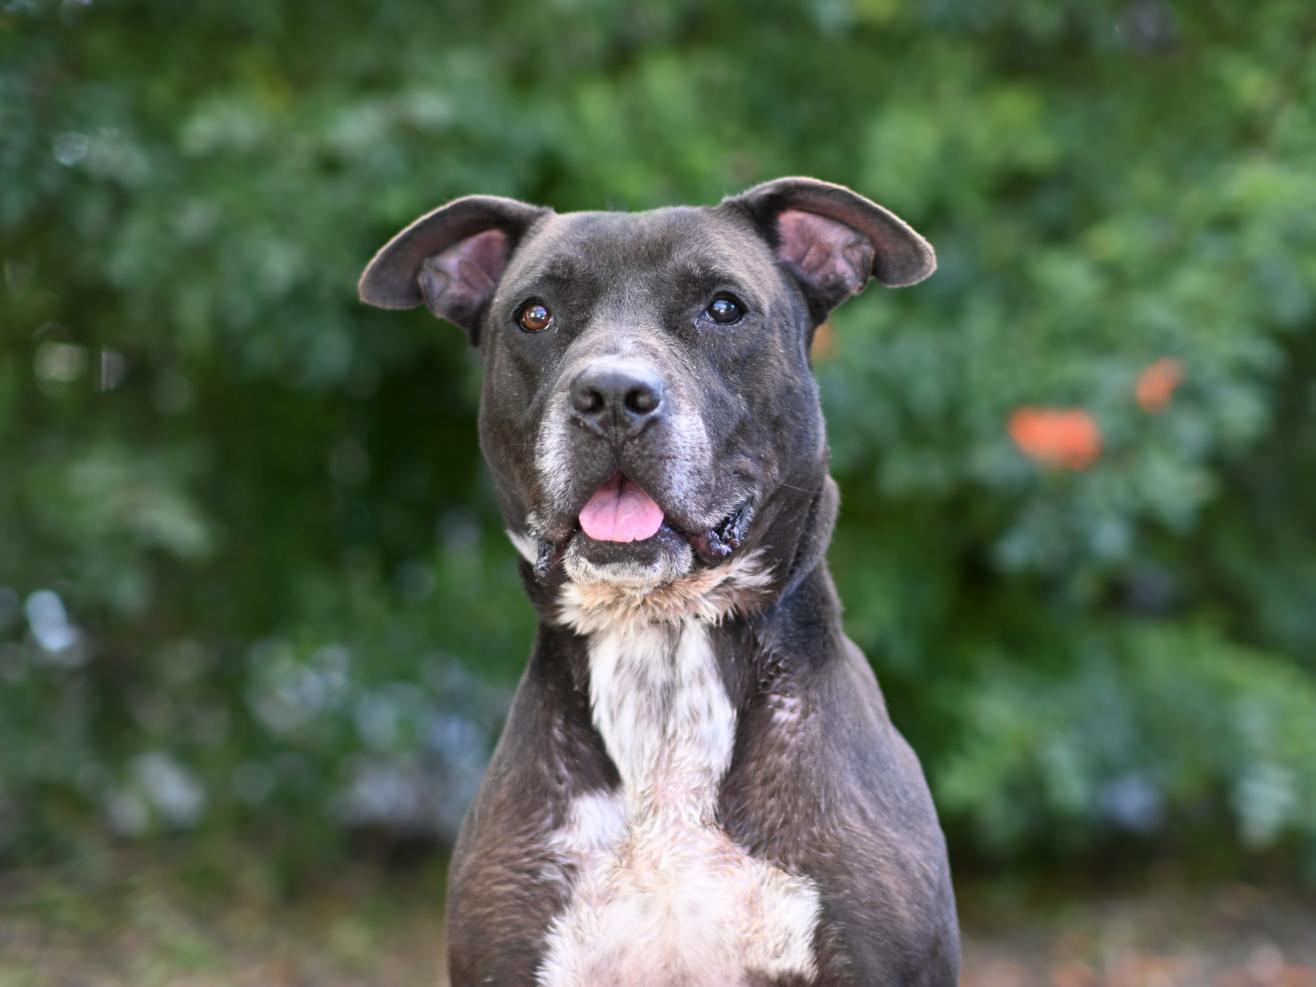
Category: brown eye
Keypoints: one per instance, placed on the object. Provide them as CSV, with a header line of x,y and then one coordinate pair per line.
x,y
725,309
534,317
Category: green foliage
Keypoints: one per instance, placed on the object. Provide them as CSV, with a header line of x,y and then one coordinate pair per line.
x,y
250,573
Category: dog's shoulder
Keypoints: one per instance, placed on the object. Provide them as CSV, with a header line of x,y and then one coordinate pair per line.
x,y
825,786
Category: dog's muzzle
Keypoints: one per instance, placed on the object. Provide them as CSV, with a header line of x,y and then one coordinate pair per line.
x,y
626,465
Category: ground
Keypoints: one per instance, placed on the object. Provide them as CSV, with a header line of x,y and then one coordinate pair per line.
x,y
160,920
1149,932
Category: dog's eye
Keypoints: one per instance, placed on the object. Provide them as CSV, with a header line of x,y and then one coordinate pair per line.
x,y
725,309
534,317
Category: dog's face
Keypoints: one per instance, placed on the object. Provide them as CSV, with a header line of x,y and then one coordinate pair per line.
x,y
647,391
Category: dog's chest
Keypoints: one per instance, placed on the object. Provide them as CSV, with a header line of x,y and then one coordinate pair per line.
x,y
660,895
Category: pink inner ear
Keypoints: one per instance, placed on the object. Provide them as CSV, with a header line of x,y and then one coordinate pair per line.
x,y
834,258
459,281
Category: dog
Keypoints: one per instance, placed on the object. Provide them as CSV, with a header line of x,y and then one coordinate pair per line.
x,y
698,783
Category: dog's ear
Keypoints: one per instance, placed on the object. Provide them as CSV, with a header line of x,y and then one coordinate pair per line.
x,y
450,259
833,240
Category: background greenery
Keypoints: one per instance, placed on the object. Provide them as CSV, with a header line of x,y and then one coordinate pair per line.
x,y
251,582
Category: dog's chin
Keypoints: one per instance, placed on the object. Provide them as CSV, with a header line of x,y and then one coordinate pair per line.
x,y
655,561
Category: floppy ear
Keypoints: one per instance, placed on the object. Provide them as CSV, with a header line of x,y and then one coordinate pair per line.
x,y
833,240
450,259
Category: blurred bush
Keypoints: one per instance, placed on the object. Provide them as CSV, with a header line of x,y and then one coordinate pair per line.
x,y
250,574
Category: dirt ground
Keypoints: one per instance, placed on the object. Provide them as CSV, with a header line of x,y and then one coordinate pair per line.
x,y
1145,935
141,924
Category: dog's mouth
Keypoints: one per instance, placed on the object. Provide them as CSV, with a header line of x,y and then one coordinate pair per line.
x,y
622,522
621,511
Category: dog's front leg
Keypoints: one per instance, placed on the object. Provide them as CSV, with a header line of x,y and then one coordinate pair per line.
x,y
510,875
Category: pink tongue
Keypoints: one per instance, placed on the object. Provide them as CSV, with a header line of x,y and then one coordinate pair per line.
x,y
620,511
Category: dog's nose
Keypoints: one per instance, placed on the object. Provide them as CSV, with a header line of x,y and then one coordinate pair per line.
x,y
621,398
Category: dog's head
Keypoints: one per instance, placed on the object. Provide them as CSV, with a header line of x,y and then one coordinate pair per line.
x,y
648,405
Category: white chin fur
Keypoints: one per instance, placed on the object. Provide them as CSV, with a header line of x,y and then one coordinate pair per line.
x,y
668,567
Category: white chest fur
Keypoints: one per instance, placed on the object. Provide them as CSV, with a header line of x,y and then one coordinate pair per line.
x,y
661,896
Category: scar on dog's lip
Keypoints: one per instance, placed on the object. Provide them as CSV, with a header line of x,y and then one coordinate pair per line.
x,y
720,541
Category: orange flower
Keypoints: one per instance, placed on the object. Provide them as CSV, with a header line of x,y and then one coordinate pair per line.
x,y
1065,437
1157,383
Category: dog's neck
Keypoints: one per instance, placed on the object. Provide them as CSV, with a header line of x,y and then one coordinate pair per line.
x,y
664,716
657,698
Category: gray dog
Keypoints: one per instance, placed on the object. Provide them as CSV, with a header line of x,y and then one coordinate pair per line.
x,y
698,784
